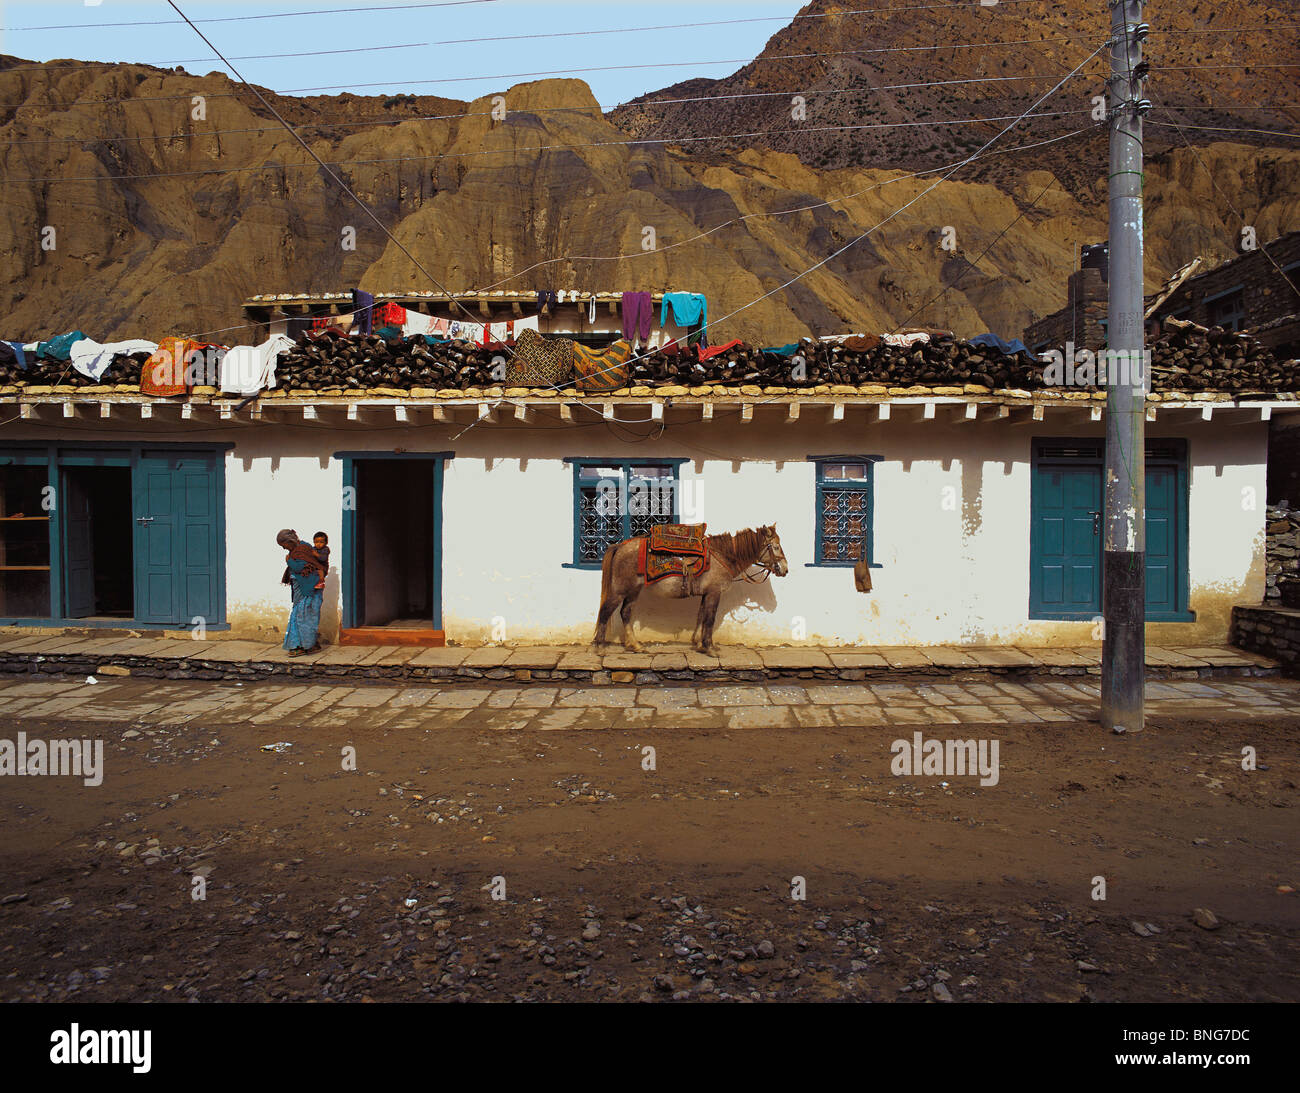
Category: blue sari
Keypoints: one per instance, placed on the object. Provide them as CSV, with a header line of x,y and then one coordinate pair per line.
x,y
304,618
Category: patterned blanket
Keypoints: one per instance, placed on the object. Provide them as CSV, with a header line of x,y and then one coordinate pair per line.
x,y
602,370
674,550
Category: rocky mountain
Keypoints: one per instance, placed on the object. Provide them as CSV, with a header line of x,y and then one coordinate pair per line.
x,y
144,202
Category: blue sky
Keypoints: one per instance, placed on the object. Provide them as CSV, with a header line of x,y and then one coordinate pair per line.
x,y
430,40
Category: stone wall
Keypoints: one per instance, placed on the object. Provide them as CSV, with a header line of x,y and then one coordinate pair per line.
x,y
1080,321
1271,631
1282,556
1266,295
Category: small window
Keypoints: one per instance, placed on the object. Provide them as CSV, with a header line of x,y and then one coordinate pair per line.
x,y
1228,310
620,500
845,502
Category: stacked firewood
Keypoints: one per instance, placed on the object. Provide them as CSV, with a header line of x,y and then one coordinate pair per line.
x,y
1188,357
1184,358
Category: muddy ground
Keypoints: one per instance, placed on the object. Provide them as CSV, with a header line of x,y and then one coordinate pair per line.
x,y
626,884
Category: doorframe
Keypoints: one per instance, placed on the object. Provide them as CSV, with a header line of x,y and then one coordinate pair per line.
x,y
54,456
350,632
1178,459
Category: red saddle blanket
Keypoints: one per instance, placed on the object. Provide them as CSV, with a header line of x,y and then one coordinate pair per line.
x,y
674,550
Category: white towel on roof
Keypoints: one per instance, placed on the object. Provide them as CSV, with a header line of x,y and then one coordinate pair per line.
x,y
247,369
92,359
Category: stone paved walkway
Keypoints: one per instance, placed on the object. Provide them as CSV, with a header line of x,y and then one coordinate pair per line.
x,y
26,651
509,707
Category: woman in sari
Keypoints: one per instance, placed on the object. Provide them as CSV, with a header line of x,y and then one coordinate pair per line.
x,y
302,574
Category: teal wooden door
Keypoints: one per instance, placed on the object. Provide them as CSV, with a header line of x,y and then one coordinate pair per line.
x,y
1166,559
178,548
1065,542
78,547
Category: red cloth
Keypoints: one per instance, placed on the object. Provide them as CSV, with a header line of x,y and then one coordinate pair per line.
x,y
163,374
714,350
389,315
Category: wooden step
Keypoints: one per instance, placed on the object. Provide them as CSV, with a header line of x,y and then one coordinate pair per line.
x,y
386,635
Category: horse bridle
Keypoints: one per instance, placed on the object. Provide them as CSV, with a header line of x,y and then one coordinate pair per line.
x,y
765,566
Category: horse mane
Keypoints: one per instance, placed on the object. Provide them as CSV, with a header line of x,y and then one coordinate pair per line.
x,y
741,548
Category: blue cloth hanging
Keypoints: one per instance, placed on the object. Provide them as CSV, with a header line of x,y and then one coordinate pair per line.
x,y
688,308
363,310
59,348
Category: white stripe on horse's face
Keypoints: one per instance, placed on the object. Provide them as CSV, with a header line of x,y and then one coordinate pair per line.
x,y
779,565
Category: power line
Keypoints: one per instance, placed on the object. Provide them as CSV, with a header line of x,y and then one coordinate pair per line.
x,y
1227,200
736,220
324,167
1269,29
973,264
1224,128
391,119
857,239
249,18
537,148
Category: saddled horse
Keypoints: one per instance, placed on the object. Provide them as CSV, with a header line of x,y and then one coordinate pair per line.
x,y
731,557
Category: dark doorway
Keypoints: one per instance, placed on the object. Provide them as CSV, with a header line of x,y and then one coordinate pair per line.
x,y
395,543
99,565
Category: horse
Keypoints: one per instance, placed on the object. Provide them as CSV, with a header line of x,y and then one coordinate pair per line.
x,y
730,559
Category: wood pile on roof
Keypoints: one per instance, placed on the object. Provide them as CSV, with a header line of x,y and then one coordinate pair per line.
x,y
1185,358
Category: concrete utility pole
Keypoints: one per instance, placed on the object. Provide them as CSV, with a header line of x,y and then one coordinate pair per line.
x,y
1123,655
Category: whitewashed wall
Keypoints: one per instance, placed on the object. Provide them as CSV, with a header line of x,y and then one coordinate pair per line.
x,y
950,575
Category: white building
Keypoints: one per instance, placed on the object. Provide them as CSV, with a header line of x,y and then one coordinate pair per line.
x,y
469,515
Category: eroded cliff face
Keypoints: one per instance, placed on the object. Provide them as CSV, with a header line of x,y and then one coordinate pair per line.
x,y
164,222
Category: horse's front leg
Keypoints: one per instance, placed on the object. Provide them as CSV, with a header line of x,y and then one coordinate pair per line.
x,y
708,613
699,627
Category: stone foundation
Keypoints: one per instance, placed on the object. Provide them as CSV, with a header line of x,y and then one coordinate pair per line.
x,y
1269,631
223,661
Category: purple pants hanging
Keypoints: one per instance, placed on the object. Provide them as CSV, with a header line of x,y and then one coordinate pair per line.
x,y
637,310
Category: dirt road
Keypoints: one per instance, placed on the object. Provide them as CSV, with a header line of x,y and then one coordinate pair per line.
x,y
625,883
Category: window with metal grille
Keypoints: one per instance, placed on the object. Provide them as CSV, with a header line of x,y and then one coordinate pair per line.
x,y
618,499
845,504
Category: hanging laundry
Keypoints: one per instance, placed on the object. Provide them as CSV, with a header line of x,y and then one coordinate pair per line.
x,y
540,362
92,359
389,314
330,322
688,309
416,322
248,369
363,306
860,343
602,370
59,348
546,300
13,353
638,311
163,374
389,333
783,350
906,341
591,310
713,351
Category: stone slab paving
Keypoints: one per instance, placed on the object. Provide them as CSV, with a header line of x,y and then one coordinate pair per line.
x,y
45,653
283,709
